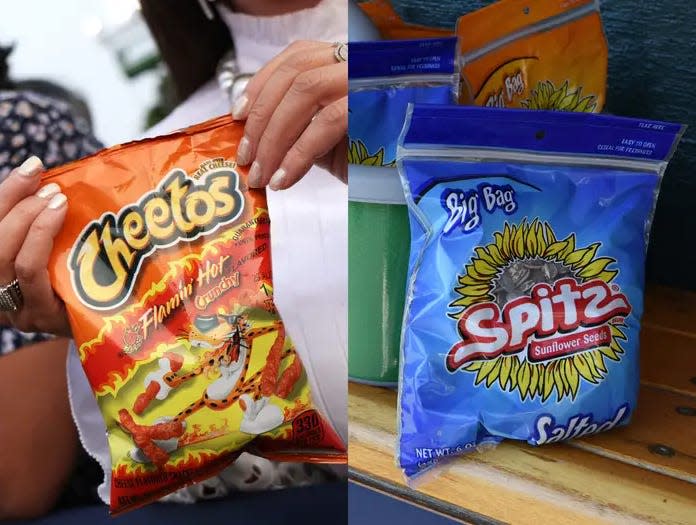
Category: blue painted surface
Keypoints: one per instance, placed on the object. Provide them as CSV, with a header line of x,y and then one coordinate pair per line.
x,y
367,507
652,71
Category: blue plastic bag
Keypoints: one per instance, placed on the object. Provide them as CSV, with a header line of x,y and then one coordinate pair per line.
x,y
385,76
529,233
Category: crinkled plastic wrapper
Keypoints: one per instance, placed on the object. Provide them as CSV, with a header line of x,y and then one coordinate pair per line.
x,y
385,77
164,265
537,54
529,233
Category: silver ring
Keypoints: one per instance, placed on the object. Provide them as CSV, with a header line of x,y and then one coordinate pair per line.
x,y
340,52
11,297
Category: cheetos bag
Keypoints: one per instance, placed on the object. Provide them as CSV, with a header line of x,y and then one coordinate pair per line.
x,y
164,265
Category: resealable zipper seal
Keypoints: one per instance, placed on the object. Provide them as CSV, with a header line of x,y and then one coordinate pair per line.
x,y
545,137
544,24
476,134
402,63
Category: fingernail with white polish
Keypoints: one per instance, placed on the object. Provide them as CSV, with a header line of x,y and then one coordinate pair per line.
x,y
239,108
243,152
48,190
277,179
30,167
57,201
255,175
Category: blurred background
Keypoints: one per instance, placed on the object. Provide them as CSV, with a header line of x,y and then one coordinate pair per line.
x,y
99,49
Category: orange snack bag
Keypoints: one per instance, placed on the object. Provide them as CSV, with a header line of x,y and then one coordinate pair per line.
x,y
534,54
164,265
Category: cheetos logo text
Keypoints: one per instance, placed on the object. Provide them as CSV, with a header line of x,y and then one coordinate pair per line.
x,y
106,259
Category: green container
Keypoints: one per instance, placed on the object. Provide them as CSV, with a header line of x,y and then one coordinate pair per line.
x,y
378,251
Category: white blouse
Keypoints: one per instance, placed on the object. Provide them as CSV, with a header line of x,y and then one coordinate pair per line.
x,y
309,249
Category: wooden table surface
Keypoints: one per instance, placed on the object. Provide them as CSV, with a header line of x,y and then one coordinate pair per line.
x,y
643,473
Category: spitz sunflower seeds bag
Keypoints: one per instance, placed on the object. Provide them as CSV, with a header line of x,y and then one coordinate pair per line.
x,y
528,240
164,265
534,54
385,77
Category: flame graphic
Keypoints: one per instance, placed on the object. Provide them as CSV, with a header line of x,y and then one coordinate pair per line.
x,y
198,435
193,459
121,370
124,471
290,413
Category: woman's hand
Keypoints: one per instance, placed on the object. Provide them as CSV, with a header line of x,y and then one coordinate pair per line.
x,y
30,218
296,111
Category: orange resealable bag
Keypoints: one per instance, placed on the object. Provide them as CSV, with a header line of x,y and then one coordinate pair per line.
x,y
534,54
164,265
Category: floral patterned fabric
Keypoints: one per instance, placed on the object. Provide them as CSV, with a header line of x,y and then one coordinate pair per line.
x,y
31,124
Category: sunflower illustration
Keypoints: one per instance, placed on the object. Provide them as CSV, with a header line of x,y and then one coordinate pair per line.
x,y
508,268
358,154
548,96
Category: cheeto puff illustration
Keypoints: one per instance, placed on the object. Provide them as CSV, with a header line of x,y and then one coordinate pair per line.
x,y
226,343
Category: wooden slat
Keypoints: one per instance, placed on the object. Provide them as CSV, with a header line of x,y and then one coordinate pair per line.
x,y
521,484
670,309
421,500
668,359
612,477
656,422
469,491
